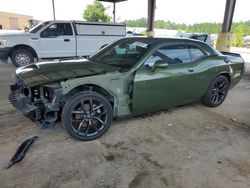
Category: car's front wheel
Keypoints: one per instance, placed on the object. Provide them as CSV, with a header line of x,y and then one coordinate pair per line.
x,y
216,92
87,115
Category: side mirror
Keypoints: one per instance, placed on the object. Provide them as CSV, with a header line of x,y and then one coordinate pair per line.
x,y
160,64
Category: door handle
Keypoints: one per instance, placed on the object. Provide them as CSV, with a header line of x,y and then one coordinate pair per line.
x,y
66,40
191,70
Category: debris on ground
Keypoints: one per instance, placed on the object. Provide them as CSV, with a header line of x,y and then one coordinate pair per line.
x,y
21,151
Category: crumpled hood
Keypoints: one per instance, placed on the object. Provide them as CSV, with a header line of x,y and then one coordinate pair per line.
x,y
47,72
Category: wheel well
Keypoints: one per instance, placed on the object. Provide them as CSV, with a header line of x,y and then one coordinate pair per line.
x,y
92,87
23,46
227,76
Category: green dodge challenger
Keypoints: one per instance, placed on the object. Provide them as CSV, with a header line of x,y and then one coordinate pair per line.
x,y
131,76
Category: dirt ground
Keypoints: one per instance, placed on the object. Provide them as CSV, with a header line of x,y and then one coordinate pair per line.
x,y
192,146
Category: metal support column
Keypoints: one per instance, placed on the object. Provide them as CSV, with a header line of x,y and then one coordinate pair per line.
x,y
53,5
151,17
114,12
225,36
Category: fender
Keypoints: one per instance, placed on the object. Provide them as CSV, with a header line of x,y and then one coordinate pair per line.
x,y
111,86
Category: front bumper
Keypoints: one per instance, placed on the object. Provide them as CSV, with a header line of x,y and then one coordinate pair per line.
x,y
31,102
21,102
4,53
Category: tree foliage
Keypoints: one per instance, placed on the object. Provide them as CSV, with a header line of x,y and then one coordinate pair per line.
x,y
239,32
96,13
210,28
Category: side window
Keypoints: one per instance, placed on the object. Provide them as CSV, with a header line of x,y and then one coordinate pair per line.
x,y
196,53
169,54
57,29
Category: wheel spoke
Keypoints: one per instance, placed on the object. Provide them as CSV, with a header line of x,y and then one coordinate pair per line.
x,y
216,99
97,107
80,125
87,130
213,98
98,119
101,114
212,94
91,104
75,120
82,106
77,112
92,125
222,93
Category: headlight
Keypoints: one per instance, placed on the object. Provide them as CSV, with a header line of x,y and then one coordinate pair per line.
x,y
2,43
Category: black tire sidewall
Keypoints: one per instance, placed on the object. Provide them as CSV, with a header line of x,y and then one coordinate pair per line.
x,y
27,52
206,98
66,113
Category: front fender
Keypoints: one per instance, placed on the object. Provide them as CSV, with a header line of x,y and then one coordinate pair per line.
x,y
111,83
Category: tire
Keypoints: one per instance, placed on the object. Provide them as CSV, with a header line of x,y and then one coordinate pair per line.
x,y
87,115
21,57
216,92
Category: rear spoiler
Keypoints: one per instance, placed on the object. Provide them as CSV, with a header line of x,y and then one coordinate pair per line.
x,y
232,57
230,53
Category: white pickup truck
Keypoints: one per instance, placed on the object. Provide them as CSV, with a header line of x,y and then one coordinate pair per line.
x,y
58,39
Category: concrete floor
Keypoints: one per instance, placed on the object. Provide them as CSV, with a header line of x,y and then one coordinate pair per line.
x,y
192,146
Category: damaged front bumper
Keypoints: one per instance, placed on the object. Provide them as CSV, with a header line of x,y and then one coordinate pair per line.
x,y
41,104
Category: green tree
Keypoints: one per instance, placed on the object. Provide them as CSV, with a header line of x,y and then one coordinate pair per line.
x,y
238,35
96,13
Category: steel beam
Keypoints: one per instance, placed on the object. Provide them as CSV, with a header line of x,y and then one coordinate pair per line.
x,y
228,16
54,13
151,17
114,12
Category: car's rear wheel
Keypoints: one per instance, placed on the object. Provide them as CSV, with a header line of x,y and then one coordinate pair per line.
x,y
22,57
216,92
87,115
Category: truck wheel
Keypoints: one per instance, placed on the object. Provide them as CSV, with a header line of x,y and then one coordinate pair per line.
x,y
22,57
87,115
216,92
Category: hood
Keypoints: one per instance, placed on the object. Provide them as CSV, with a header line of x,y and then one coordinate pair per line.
x,y
15,34
47,72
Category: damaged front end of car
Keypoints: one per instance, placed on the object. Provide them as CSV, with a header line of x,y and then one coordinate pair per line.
x,y
40,103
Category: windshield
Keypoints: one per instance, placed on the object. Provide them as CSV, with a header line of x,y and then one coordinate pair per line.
x,y
124,53
38,27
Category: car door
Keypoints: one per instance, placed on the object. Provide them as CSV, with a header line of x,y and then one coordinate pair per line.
x,y
161,87
57,40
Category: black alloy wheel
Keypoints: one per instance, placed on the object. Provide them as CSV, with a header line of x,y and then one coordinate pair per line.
x,y
217,92
87,115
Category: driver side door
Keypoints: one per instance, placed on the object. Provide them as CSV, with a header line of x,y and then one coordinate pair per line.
x,y
57,40
156,88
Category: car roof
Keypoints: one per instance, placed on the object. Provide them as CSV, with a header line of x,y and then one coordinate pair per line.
x,y
154,41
